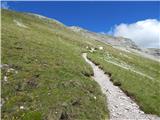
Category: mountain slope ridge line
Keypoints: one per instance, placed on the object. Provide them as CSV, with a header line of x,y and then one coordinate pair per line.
x,y
119,104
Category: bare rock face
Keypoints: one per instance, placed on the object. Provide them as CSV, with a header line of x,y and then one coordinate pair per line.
x,y
153,51
114,41
121,42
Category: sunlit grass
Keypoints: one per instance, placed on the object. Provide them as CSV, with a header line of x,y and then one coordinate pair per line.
x,y
52,79
137,76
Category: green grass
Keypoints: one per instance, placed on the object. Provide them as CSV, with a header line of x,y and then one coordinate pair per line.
x,y
144,88
53,80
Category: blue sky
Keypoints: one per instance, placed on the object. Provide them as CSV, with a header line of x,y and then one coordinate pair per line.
x,y
139,21
94,16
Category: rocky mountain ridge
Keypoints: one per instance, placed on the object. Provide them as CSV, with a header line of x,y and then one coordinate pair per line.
x,y
118,42
115,41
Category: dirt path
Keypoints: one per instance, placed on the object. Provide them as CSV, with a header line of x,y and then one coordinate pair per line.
x,y
121,107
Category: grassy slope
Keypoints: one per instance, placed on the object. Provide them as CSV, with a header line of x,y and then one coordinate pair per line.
x,y
52,79
144,90
54,51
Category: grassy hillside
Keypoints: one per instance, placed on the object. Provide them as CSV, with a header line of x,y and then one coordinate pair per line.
x,y
137,76
45,77
43,73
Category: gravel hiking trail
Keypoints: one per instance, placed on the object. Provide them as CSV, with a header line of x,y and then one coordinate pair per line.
x,y
121,107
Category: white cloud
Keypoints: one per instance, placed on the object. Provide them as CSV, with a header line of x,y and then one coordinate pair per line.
x,y
144,33
4,5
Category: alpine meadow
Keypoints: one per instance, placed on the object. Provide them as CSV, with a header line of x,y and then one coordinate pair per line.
x,y
45,77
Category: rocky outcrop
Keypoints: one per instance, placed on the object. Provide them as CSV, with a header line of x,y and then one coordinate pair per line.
x,y
114,41
153,51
